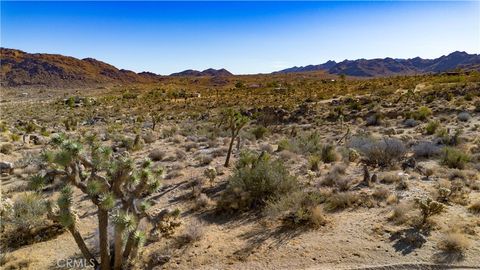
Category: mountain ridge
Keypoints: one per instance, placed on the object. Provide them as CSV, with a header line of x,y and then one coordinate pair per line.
x,y
19,68
393,66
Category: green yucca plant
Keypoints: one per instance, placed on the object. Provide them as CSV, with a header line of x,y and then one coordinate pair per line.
x,y
113,184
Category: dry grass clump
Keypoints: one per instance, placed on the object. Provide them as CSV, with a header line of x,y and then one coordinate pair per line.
x,y
149,137
475,207
390,178
341,200
335,173
204,160
454,242
189,146
202,201
286,155
328,154
194,232
298,209
403,213
180,154
266,147
314,163
381,194
6,148
392,199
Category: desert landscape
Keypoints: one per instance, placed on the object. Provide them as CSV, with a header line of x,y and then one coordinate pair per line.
x,y
354,164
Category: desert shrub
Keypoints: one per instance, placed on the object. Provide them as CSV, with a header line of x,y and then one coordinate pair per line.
x,y
259,132
15,137
381,193
477,106
255,182
306,143
24,221
374,119
454,242
422,113
36,182
463,116
382,152
335,173
328,153
390,178
246,158
454,158
428,208
431,127
157,155
194,232
6,148
341,200
452,191
402,213
475,207
284,145
204,160
149,137
266,147
444,137
410,122
28,211
3,126
210,173
169,132
202,201
298,209
314,163
425,150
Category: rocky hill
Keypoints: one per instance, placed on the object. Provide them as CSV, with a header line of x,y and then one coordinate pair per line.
x,y
19,68
390,66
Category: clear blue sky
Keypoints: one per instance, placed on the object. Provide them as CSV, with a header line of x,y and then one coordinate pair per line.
x,y
244,37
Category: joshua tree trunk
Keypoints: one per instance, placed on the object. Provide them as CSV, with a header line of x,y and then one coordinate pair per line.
x,y
104,245
227,161
118,256
128,246
83,247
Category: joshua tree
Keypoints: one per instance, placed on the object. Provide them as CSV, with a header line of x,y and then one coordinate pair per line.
x,y
114,186
233,121
156,118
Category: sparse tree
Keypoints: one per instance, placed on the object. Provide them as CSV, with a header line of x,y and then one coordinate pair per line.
x,y
233,121
156,118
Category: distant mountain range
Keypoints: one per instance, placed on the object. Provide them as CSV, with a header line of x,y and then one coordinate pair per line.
x,y
390,66
18,68
206,72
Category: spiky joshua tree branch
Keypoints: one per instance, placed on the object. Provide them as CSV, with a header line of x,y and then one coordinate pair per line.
x,y
115,187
